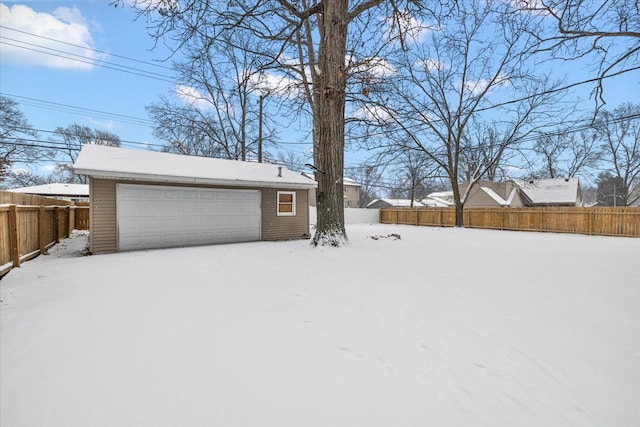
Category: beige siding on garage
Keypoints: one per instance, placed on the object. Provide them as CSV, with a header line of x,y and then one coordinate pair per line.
x,y
103,233
103,236
276,227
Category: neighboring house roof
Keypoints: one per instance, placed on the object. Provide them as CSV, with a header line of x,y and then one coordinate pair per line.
x,y
349,181
556,191
345,180
396,203
111,162
55,189
439,199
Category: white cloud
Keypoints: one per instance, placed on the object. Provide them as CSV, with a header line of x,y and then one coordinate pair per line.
x,y
476,87
372,113
50,167
192,97
375,67
102,125
408,26
277,85
28,38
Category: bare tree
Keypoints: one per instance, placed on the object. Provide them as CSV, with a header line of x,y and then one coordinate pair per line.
x,y
565,154
481,150
69,140
16,137
292,160
215,114
608,31
190,130
456,77
24,178
619,132
413,169
287,30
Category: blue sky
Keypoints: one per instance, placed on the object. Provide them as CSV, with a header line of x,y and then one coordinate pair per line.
x,y
32,78
110,34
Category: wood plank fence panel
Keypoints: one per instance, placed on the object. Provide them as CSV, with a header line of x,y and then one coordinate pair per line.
x,y
27,230
8,197
5,244
82,218
27,221
605,221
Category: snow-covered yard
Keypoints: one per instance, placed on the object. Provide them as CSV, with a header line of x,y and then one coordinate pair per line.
x,y
444,327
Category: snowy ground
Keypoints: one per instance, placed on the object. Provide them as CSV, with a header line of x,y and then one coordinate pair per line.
x,y
445,327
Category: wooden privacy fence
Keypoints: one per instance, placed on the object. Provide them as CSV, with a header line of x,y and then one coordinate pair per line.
x,y
602,221
27,231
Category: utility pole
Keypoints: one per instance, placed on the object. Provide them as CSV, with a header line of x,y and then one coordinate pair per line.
x,y
262,97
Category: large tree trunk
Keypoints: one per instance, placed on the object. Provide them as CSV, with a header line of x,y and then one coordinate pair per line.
x,y
329,96
458,204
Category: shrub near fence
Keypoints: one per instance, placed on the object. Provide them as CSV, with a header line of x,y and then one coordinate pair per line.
x,y
27,231
603,221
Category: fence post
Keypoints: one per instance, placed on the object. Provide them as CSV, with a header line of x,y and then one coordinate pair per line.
x,y
13,235
72,220
441,218
56,225
42,218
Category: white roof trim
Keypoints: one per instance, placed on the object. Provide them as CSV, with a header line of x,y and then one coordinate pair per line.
x,y
495,196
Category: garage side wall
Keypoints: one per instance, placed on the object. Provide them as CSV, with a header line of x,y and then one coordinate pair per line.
x,y
102,237
276,227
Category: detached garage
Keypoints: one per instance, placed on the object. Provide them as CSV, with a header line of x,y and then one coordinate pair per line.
x,y
146,199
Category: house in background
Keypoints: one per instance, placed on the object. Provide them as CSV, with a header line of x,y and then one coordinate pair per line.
x,y
60,191
551,192
148,199
489,194
634,196
351,191
393,203
524,193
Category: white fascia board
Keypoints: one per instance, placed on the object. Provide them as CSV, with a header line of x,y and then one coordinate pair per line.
x,y
192,180
495,196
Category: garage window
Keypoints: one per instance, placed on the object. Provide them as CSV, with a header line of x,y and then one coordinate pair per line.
x,y
286,203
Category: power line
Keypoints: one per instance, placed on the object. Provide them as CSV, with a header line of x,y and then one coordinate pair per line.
x,y
51,143
513,101
87,48
93,61
55,106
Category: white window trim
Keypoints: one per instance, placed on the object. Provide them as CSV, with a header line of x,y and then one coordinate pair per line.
x,y
293,200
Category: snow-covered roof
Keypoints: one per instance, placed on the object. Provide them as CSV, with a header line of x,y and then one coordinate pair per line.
x,y
439,199
397,203
551,191
349,181
55,189
345,180
110,162
435,203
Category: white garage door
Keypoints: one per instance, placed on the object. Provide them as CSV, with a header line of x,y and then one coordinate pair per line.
x,y
160,216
